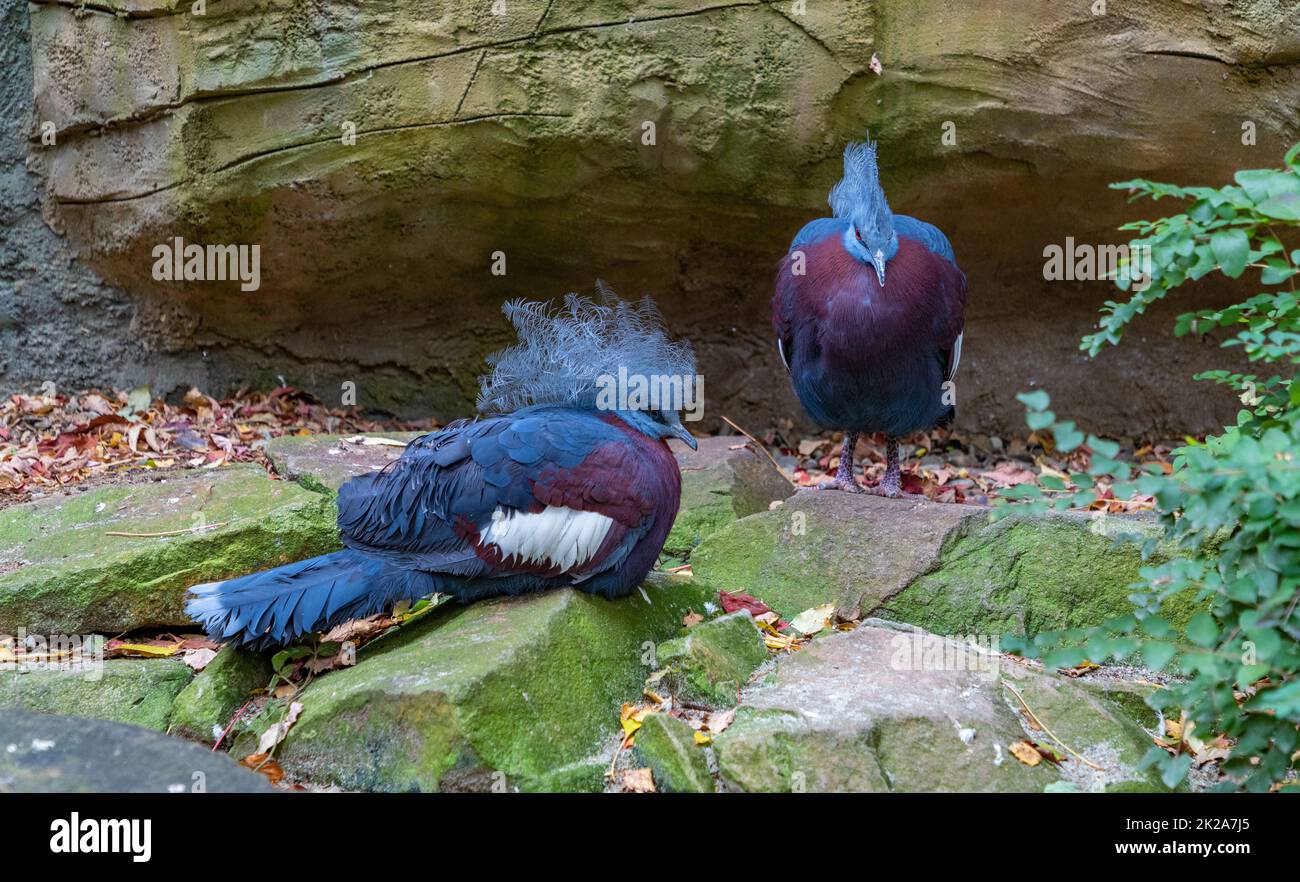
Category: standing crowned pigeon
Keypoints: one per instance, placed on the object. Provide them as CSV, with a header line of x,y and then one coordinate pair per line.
x,y
868,314
553,492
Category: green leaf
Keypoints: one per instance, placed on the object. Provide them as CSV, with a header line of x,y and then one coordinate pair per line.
x,y
1174,769
1285,206
1051,482
1202,630
1067,436
1103,447
1231,249
1040,419
1157,655
1275,273
1036,400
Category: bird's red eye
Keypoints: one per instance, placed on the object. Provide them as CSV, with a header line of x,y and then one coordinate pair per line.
x,y
857,233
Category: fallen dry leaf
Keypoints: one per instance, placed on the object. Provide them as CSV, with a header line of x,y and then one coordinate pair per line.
x,y
732,602
114,649
1025,752
719,720
1080,669
810,621
198,659
1032,753
261,763
631,716
638,781
277,731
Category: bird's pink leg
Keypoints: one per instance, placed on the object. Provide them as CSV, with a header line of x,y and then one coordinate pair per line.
x,y
843,479
891,484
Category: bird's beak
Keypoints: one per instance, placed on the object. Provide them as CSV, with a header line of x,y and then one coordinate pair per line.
x,y
878,259
684,435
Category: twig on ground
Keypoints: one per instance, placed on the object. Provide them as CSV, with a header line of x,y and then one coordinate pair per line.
x,y
168,532
756,443
239,713
1033,716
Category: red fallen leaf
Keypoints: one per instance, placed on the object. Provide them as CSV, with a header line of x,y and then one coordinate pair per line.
x,y
913,484
106,420
732,602
260,762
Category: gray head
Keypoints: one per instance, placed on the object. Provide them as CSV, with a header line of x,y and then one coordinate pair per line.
x,y
569,356
859,199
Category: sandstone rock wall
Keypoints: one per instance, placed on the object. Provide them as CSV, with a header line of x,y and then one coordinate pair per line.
x,y
522,133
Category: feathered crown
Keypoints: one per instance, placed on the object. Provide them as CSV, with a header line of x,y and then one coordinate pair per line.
x,y
561,353
858,195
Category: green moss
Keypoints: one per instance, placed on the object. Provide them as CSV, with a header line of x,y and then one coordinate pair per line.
x,y
744,556
1089,723
217,692
667,745
694,524
133,691
714,660
721,482
524,686
773,751
1023,576
73,578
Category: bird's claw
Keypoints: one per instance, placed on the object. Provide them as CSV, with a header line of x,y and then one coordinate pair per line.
x,y
894,492
848,485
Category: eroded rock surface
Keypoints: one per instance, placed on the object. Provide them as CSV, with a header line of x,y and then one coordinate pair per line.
x,y
892,708
380,154
61,572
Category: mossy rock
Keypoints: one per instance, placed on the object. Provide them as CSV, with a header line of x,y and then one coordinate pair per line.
x,y
713,660
1030,574
136,691
217,692
722,481
667,745
824,546
891,707
517,692
950,569
1091,724
62,573
859,711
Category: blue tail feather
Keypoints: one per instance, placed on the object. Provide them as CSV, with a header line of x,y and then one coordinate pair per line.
x,y
276,606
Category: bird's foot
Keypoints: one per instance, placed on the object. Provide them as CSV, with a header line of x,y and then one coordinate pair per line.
x,y
848,485
891,487
894,492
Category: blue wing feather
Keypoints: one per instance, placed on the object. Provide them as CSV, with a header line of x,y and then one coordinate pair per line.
x,y
411,529
927,234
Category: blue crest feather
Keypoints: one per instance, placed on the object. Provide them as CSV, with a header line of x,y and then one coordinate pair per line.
x,y
858,197
562,352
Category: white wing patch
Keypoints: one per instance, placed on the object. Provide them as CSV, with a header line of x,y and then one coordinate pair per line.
x,y
561,536
956,356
